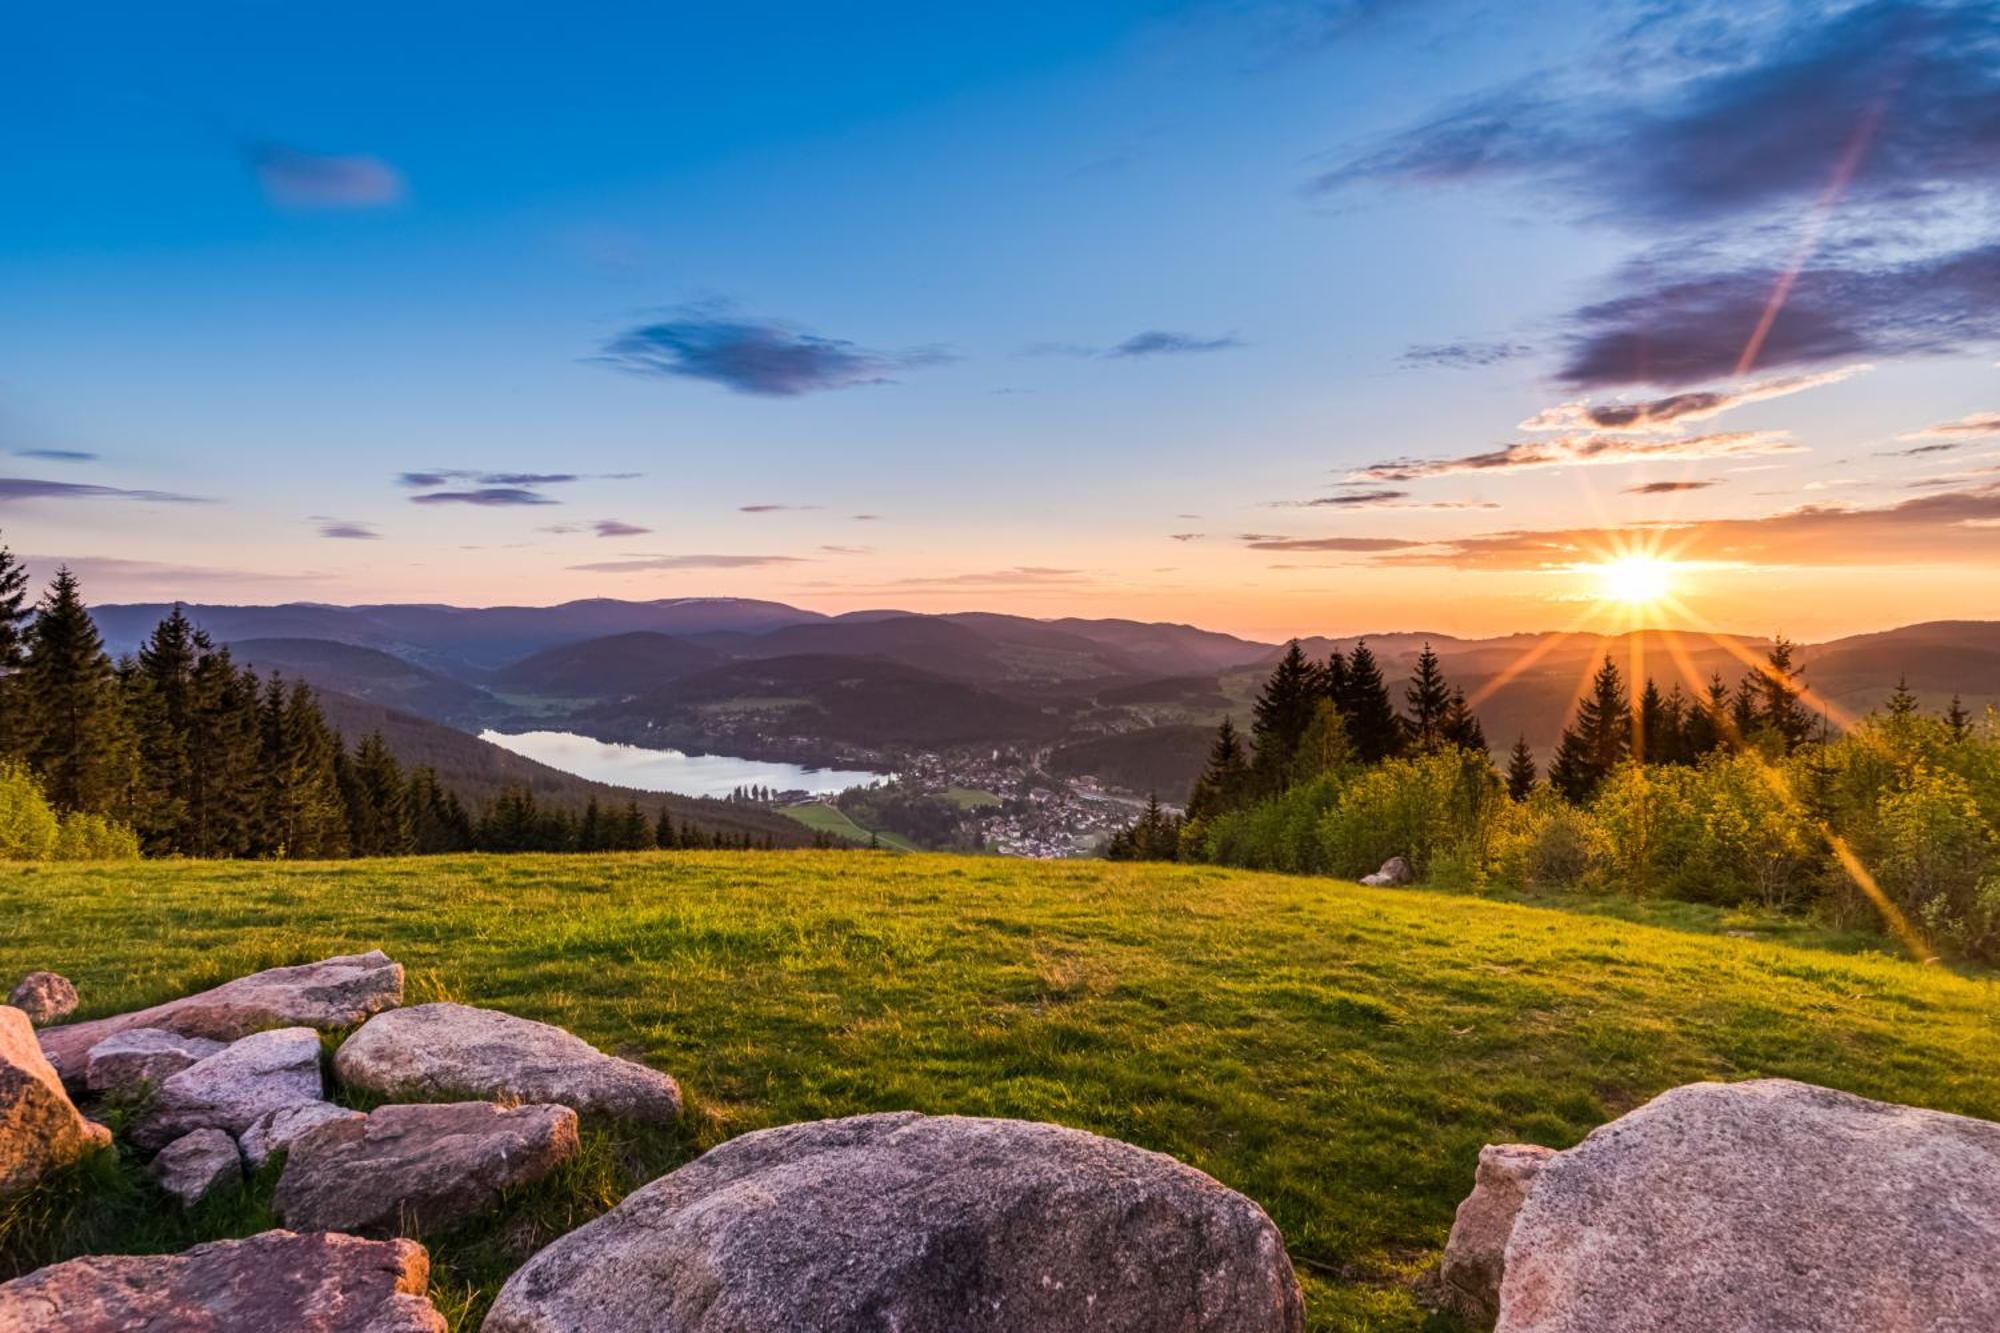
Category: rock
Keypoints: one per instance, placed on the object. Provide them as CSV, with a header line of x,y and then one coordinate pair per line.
x,y
40,1128
44,997
1475,1256
1394,872
276,1280
453,1050
1767,1205
274,1131
192,1165
332,993
905,1221
419,1168
126,1059
232,1088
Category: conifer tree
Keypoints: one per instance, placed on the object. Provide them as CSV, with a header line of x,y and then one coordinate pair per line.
x,y
225,791
14,615
378,821
1779,686
628,829
1707,721
1902,703
160,695
304,810
1333,682
1957,719
1743,710
1429,700
77,740
1325,748
1461,725
1224,782
1599,738
1521,775
590,833
663,831
1657,738
1371,718
1280,715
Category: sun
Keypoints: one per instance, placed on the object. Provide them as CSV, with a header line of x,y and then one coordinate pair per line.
x,y
1635,580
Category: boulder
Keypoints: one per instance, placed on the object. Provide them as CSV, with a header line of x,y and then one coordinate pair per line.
x,y
121,1062
192,1165
276,1280
332,993
419,1168
44,997
232,1088
40,1128
275,1130
1394,873
905,1221
1767,1205
1475,1256
454,1050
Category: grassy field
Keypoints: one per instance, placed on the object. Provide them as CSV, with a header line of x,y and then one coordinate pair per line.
x,y
1337,1053
824,818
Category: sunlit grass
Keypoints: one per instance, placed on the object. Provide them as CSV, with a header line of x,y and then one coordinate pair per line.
x,y
1337,1053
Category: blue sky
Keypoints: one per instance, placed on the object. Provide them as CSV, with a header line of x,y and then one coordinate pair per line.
x,y
1235,313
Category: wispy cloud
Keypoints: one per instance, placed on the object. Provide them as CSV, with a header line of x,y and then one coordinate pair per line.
x,y
33,488
776,509
1978,425
1466,355
1669,487
1594,450
1164,342
1349,544
342,530
1186,536
611,527
761,357
56,455
294,178
495,497
848,550
1674,411
645,563
997,578
1379,499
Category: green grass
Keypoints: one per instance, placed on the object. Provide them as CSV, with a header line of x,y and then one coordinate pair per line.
x,y
1337,1053
824,818
970,798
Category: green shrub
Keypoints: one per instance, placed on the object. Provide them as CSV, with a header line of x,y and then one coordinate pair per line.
x,y
28,828
95,838
1434,806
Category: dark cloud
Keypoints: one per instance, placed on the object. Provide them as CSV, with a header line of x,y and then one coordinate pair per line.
x,y
292,178
487,496
1583,450
1668,487
611,527
1352,500
358,532
32,488
1672,412
1186,536
867,518
1919,450
641,564
426,480
759,357
57,455
1366,544
1157,342
441,476
776,509
1462,355
525,478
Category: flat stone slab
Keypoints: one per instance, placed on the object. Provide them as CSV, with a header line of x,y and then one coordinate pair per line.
x,y
275,1131
454,1050
332,993
1770,1205
194,1164
232,1088
419,1168
40,1128
126,1059
929,1224
44,997
273,1282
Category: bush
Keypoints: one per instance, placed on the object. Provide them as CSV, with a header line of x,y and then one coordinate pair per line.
x,y
95,838
1545,842
28,828
1434,806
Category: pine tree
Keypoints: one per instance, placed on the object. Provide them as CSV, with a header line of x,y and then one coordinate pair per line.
x,y
1429,700
77,740
1461,725
1371,718
1282,712
629,831
14,615
1707,722
1957,719
160,695
1521,775
1599,738
663,831
1902,703
1743,715
1333,679
304,813
378,821
590,833
1779,687
1224,782
226,793
1657,738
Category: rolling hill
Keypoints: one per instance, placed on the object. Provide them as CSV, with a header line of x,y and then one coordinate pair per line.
x,y
612,667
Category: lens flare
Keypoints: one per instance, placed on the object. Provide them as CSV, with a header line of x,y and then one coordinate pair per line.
x,y
1634,580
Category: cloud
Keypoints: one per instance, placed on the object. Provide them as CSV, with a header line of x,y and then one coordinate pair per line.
x,y
1668,487
151,578
1947,528
1018,575
640,564
441,476
293,178
867,518
761,357
1583,450
340,530
1976,426
848,550
1378,500
1186,536
1367,544
1466,355
485,496
1669,414
1919,450
32,488
526,478
1157,342
775,509
611,527
56,455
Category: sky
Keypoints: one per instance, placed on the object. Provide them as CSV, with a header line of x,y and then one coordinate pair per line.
x,y
1274,316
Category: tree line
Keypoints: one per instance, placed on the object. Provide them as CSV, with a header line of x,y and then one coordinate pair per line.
x,y
178,751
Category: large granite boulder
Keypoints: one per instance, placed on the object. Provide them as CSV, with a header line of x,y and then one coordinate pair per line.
x,y
273,1281
1475,1256
332,993
195,1164
124,1060
40,1128
1771,1206
905,1221
276,1130
232,1088
419,1168
1395,873
44,997
454,1050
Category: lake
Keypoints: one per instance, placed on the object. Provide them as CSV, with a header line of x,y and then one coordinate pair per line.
x,y
670,770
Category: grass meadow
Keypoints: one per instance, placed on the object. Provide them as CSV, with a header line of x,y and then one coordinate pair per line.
x,y
1337,1053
